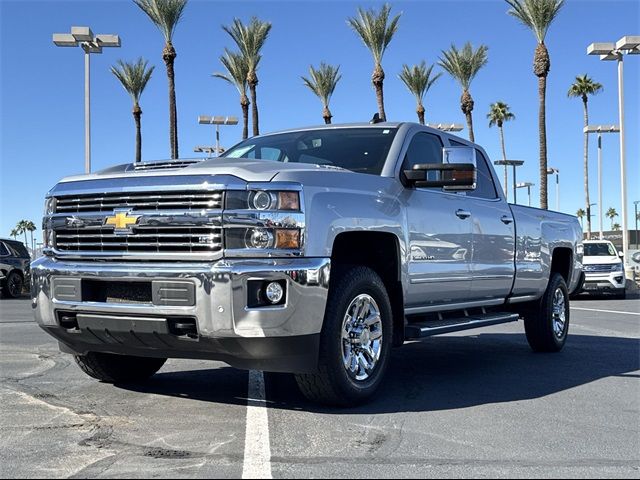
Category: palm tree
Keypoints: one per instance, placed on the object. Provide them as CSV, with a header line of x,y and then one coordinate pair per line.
x,y
611,214
323,82
21,228
14,233
30,227
134,78
616,227
237,71
418,80
580,214
250,40
538,16
376,31
463,65
166,14
498,114
583,87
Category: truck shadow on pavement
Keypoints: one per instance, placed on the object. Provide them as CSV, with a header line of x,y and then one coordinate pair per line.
x,y
443,373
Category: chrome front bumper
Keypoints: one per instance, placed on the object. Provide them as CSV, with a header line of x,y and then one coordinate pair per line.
x,y
227,329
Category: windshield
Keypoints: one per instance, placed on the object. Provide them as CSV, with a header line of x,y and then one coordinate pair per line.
x,y
599,250
362,150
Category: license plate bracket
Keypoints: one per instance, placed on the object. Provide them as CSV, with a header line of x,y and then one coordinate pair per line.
x,y
122,323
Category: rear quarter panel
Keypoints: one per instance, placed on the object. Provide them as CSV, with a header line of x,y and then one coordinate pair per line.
x,y
538,234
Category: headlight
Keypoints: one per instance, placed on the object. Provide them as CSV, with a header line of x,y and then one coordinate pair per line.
x,y
263,238
617,267
262,200
48,206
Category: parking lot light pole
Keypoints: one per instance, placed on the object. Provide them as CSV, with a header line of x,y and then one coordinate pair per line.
x,y
217,121
528,186
90,43
556,171
600,129
608,52
514,164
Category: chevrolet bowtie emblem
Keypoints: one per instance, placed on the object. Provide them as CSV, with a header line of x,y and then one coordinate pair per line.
x,y
122,221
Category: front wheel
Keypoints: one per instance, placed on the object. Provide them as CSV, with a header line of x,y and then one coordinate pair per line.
x,y
14,285
546,322
355,342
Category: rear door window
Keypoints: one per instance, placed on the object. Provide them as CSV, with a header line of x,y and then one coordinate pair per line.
x,y
4,252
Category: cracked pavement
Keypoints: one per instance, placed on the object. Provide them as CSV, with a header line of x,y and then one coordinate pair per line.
x,y
473,404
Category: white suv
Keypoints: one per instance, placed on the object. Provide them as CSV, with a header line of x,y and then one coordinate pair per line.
x,y
603,268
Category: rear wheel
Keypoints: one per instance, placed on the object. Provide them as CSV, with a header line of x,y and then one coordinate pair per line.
x,y
111,368
14,285
355,342
546,322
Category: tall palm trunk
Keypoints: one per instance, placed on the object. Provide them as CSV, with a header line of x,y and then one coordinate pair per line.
x,y
252,80
24,230
542,126
326,115
420,112
504,157
137,113
466,104
541,67
378,79
244,103
169,55
586,166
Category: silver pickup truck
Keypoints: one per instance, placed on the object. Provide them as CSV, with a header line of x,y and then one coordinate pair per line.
x,y
311,251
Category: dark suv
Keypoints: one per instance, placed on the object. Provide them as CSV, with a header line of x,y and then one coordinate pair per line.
x,y
14,267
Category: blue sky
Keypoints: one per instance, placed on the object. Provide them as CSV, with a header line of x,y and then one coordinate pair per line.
x,y
41,133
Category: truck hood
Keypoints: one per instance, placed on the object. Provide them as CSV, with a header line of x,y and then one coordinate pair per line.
x,y
600,260
245,169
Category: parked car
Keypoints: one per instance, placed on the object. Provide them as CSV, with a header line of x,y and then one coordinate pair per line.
x,y
14,267
312,252
603,268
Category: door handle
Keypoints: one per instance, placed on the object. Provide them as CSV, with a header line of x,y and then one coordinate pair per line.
x,y
506,219
463,214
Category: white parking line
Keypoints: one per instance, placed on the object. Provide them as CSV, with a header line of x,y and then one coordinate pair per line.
x,y
605,311
257,452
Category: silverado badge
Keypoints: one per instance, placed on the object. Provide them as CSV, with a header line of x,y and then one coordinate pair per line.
x,y
122,221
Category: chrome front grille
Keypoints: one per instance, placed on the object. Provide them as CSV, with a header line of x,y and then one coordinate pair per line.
x,y
186,201
171,225
161,240
600,267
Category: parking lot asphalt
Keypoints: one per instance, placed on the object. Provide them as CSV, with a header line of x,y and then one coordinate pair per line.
x,y
478,404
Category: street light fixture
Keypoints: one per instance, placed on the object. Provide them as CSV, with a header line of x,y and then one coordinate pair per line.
x,y
207,149
528,186
217,121
90,43
616,51
446,127
556,171
514,164
600,129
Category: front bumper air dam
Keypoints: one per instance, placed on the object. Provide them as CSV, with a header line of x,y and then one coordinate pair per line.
x,y
281,338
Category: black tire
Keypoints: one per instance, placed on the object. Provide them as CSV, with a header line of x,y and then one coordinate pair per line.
x,y
111,368
539,318
622,294
332,385
14,284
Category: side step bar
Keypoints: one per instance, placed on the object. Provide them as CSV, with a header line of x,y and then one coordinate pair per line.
x,y
438,327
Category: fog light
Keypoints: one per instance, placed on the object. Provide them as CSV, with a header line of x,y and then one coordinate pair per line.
x,y
274,292
259,238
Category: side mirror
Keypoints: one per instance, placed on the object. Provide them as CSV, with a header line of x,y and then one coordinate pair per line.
x,y
621,254
456,172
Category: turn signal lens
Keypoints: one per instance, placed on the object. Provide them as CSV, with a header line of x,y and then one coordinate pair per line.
x,y
288,201
289,239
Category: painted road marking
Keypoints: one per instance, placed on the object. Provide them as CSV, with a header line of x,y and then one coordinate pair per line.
x,y
605,311
257,452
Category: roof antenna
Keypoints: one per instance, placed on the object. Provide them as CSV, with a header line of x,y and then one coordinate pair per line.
x,y
375,119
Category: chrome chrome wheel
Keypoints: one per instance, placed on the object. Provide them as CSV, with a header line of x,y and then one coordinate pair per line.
x,y
559,313
361,337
